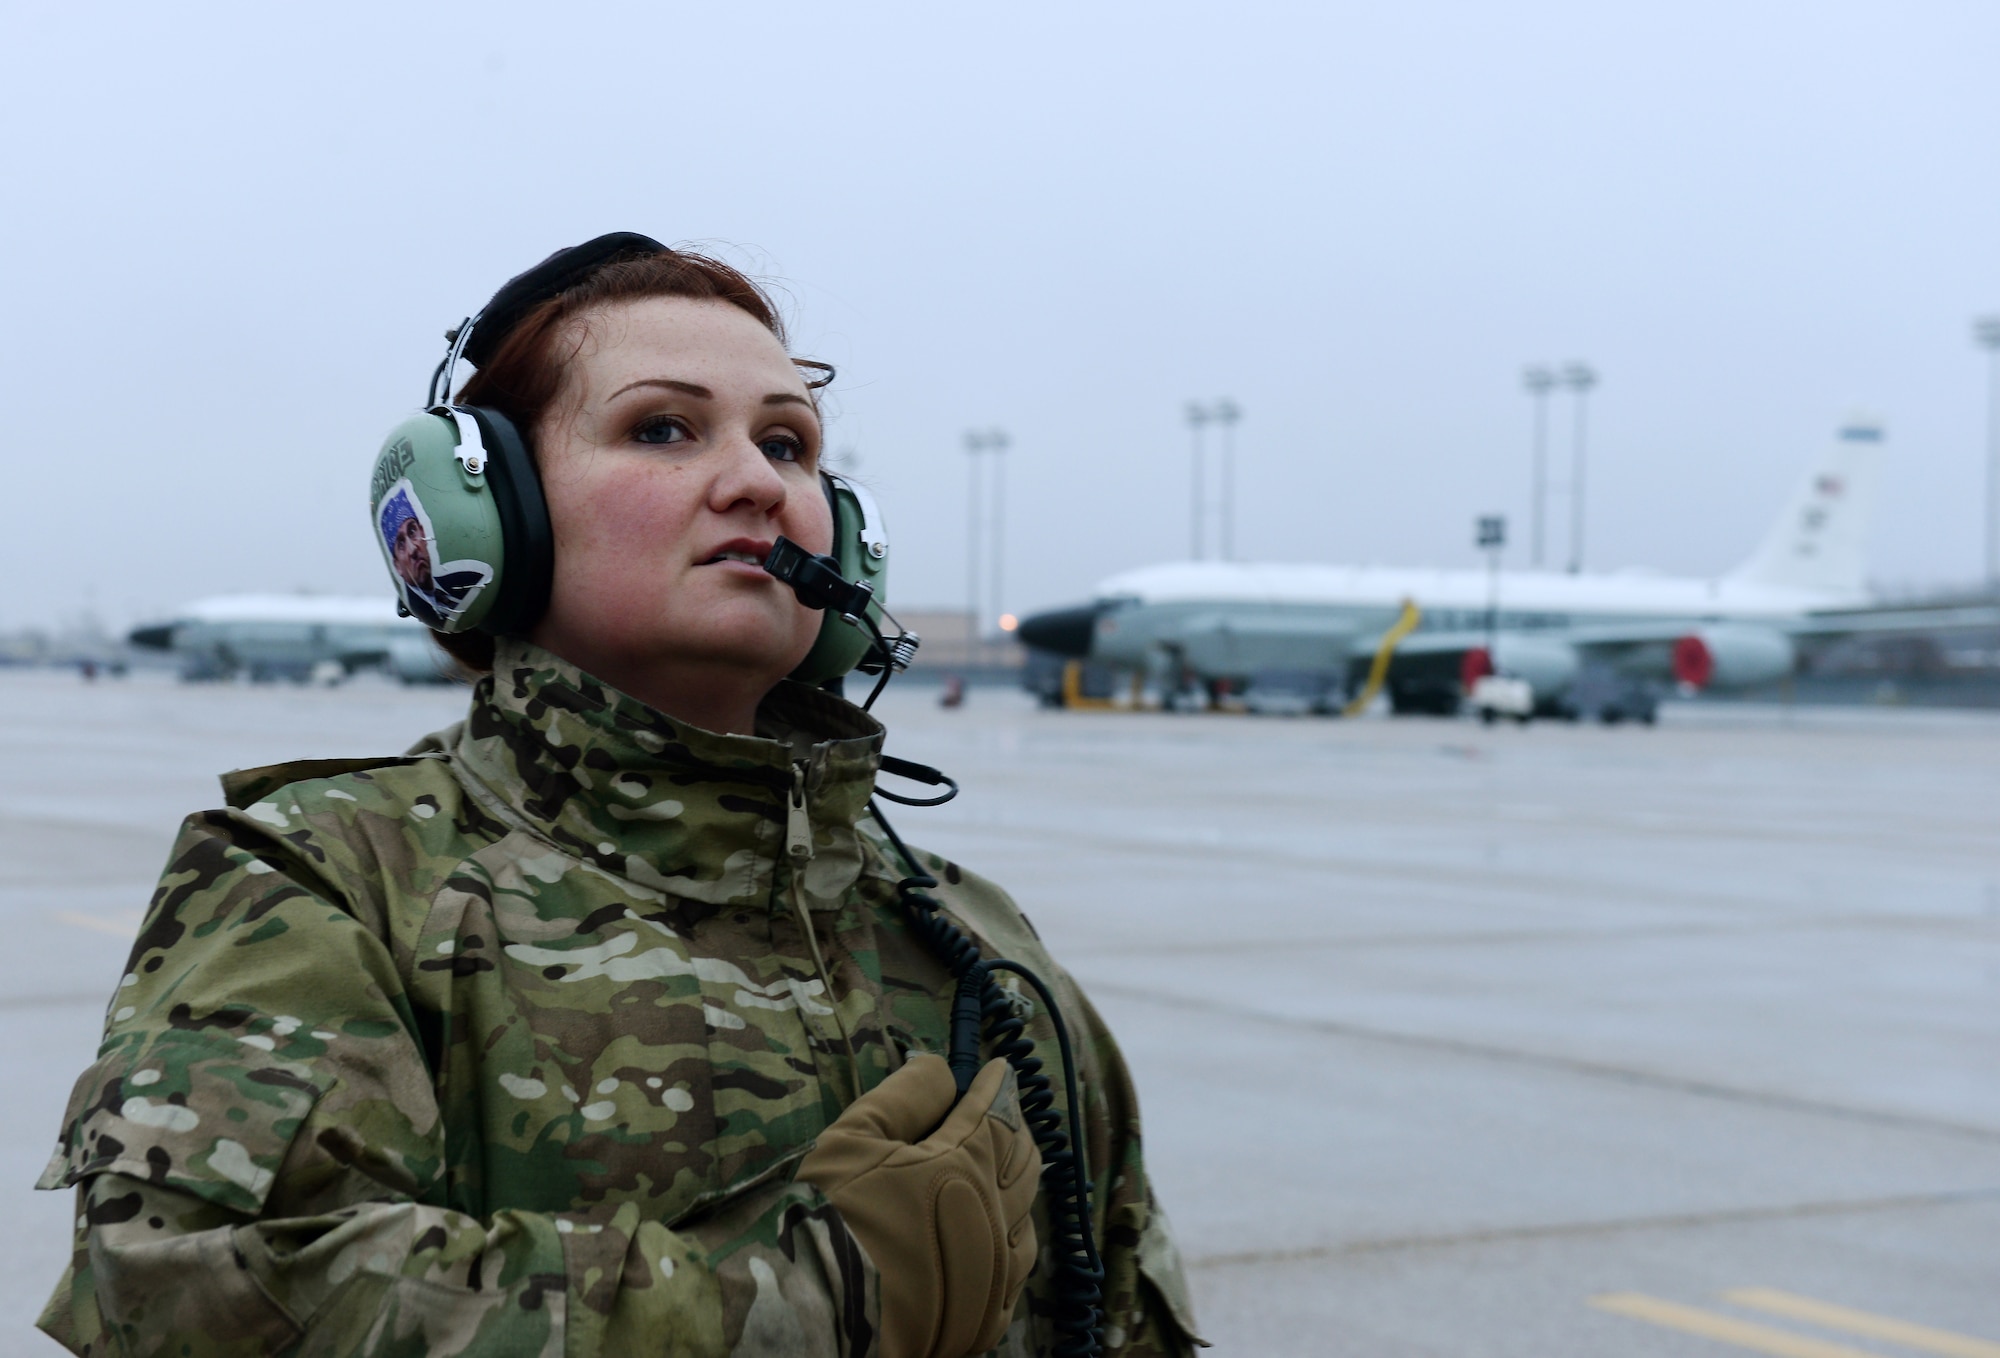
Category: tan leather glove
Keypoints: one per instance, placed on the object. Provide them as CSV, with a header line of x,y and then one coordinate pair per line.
x,y
946,1218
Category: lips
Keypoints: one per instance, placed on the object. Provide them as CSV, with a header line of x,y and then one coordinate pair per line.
x,y
749,551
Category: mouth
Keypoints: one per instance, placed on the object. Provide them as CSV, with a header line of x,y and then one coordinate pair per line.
x,y
745,550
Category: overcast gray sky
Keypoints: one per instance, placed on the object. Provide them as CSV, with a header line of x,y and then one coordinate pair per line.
x,y
234,235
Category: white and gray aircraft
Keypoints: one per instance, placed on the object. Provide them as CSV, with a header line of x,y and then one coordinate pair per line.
x,y
1234,627
296,636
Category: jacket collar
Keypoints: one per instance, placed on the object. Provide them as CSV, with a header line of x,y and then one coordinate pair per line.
x,y
668,806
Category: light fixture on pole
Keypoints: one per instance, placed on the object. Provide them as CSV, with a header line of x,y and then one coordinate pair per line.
x,y
1197,418
1579,378
1539,379
1986,332
1226,413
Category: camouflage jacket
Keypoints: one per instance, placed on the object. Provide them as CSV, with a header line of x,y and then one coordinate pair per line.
x,y
510,1046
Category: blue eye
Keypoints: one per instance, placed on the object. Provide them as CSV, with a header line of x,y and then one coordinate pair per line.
x,y
661,430
782,448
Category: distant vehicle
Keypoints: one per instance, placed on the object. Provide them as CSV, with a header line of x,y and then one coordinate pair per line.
x,y
1225,627
1494,696
1600,693
301,637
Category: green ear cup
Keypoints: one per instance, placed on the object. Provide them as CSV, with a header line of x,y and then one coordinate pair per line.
x,y
437,525
862,549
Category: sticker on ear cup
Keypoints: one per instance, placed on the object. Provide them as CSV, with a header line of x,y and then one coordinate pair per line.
x,y
435,592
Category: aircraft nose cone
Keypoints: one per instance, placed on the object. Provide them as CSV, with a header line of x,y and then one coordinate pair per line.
x,y
1065,631
159,637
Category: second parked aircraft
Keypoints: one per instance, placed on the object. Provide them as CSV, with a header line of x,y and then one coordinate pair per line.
x,y
1236,627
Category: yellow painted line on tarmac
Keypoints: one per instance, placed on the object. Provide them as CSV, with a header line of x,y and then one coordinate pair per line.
x,y
1744,1334
1832,1317
126,929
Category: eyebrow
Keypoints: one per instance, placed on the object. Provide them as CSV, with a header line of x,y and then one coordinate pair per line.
x,y
693,389
688,387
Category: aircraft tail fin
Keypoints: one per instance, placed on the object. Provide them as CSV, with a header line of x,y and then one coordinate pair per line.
x,y
1819,542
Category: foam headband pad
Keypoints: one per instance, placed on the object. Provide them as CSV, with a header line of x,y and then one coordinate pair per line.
x,y
561,270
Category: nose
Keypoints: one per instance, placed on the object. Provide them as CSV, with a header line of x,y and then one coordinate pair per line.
x,y
1064,631
746,476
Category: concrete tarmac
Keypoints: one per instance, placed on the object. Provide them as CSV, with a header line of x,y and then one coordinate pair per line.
x,y
1451,1041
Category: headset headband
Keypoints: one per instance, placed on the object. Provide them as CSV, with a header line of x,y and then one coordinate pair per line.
x,y
475,338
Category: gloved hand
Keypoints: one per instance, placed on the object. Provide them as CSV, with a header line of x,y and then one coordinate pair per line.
x,y
946,1218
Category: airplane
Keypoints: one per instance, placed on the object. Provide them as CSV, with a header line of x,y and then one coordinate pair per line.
x,y
1233,628
296,636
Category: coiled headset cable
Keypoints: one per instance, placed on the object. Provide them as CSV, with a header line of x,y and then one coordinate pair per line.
x,y
980,1006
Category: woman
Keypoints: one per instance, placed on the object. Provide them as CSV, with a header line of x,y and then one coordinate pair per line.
x,y
594,1024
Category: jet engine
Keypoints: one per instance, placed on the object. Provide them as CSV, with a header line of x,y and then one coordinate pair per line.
x,y
1728,655
1548,666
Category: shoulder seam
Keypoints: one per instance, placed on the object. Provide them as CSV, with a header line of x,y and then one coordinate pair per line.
x,y
244,787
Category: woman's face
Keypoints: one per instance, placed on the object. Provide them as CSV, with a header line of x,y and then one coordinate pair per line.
x,y
682,443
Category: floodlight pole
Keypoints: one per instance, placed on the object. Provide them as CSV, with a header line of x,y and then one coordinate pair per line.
x,y
1539,379
997,443
1986,332
1491,536
975,444
1197,417
1226,413
1579,378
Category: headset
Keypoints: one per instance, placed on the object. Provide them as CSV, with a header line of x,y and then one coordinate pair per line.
x,y
456,503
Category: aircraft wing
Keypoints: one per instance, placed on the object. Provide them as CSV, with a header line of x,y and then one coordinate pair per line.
x,y
1425,646
1883,620
1727,654
1606,639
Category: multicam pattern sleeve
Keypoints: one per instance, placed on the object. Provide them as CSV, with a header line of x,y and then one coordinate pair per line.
x,y
261,1166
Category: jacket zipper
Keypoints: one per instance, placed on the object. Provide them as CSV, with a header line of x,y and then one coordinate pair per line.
x,y
798,825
